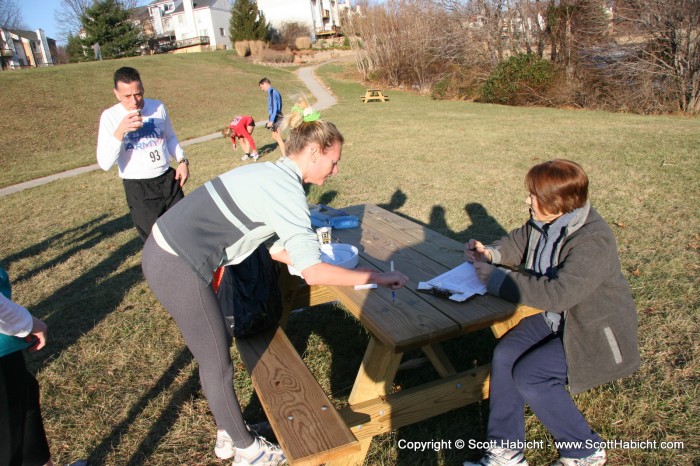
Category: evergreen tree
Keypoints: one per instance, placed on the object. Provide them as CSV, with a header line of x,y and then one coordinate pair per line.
x,y
76,50
107,23
247,23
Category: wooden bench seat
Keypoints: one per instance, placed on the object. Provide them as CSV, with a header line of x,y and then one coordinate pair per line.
x,y
306,424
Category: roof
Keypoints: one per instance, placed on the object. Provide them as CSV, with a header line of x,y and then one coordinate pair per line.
x,y
180,7
28,34
195,4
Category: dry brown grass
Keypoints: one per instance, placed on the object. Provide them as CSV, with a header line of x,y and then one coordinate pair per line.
x,y
257,46
119,388
242,47
275,56
302,42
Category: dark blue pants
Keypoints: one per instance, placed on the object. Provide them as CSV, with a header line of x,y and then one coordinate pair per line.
x,y
529,366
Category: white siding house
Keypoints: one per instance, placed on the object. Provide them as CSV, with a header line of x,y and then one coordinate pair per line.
x,y
322,16
192,19
19,48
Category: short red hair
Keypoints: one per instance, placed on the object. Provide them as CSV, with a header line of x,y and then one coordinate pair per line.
x,y
559,185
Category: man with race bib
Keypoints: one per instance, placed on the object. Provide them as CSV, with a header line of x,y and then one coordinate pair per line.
x,y
136,133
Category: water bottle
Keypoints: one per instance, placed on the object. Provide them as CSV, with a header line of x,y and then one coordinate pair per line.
x,y
324,216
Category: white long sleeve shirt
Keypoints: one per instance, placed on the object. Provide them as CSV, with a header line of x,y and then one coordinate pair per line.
x,y
14,319
141,154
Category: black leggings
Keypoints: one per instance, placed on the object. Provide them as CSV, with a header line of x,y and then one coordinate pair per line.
x,y
22,437
196,311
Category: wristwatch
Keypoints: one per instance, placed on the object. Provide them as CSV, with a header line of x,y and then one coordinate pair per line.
x,y
184,160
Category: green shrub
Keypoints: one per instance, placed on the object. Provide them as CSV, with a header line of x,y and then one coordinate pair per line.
x,y
521,79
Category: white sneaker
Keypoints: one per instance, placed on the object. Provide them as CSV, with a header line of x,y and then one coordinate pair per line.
x,y
500,457
224,448
244,157
255,156
599,458
267,454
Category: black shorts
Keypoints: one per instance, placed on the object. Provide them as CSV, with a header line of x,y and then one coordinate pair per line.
x,y
149,199
277,123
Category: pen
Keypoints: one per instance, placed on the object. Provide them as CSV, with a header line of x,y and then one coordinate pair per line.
x,y
393,293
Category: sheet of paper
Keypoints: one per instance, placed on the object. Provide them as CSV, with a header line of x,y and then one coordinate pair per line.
x,y
461,281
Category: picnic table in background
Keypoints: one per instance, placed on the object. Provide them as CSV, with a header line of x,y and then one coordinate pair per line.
x,y
375,95
414,321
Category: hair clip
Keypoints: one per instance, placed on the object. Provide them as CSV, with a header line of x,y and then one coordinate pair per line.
x,y
310,114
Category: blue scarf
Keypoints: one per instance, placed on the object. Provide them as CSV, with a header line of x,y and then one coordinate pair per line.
x,y
544,263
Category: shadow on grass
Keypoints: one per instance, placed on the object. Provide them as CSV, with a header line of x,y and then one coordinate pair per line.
x,y
483,226
161,426
266,150
81,304
47,243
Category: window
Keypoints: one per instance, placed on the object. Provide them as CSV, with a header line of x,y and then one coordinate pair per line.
x,y
222,32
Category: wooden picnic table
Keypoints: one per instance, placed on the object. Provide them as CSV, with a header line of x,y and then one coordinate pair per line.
x,y
376,95
415,320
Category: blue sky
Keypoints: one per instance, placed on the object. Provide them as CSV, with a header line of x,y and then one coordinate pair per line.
x,y
39,14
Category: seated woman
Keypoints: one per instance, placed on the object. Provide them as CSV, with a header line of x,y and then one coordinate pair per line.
x,y
241,127
221,223
587,336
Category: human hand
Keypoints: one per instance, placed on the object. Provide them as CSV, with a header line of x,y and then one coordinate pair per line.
x,y
474,251
268,124
484,271
393,280
132,121
182,173
39,331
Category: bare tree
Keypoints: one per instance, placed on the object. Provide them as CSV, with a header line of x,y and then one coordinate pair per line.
x,y
68,14
399,42
666,35
10,15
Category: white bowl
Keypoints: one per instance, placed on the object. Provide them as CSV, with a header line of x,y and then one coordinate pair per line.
x,y
342,255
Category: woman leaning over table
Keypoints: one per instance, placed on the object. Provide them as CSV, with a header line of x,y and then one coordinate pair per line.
x,y
221,223
587,336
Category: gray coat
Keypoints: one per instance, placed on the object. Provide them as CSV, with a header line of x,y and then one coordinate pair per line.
x,y
600,318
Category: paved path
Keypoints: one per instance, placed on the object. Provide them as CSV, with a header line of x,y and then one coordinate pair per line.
x,y
324,99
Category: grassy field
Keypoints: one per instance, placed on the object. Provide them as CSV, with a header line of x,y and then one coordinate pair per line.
x,y
120,388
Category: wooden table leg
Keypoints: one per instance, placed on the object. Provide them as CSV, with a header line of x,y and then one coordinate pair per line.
x,y
439,360
375,378
377,372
